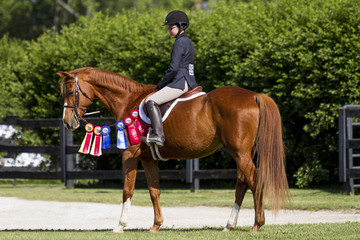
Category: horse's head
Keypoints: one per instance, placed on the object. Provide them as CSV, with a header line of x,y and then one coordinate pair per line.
x,y
78,95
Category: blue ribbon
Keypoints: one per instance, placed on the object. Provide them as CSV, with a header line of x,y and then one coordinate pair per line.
x,y
121,138
105,131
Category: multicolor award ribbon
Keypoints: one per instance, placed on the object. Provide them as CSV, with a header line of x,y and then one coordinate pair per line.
x,y
139,124
121,139
85,145
106,142
96,147
133,134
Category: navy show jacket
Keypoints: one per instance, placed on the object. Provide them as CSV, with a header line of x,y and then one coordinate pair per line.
x,y
181,68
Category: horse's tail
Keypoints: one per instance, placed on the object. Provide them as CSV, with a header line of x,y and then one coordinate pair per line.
x,y
269,146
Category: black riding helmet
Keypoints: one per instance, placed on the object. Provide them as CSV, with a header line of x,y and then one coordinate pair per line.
x,y
178,18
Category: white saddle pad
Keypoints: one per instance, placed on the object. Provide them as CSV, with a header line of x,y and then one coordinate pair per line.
x,y
147,120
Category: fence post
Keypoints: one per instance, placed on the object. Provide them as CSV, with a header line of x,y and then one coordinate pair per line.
x,y
62,151
342,146
347,171
196,181
349,159
189,171
69,158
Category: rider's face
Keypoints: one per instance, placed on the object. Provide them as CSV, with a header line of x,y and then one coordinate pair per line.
x,y
173,30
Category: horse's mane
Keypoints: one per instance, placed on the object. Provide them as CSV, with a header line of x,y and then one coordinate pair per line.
x,y
103,77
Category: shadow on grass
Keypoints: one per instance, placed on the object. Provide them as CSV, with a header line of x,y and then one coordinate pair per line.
x,y
214,229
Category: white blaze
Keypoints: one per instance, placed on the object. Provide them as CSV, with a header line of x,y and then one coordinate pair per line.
x,y
65,104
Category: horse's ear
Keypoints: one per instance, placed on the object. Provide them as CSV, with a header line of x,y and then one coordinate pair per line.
x,y
63,74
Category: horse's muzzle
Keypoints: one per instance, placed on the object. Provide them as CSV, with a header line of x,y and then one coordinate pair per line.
x,y
72,125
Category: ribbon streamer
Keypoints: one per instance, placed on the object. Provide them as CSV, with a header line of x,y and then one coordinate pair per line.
x,y
139,124
121,142
106,142
133,134
85,145
96,147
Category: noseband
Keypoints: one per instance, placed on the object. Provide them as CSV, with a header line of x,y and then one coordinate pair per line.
x,y
76,106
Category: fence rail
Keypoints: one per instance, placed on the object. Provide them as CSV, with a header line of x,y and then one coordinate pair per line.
x,y
67,149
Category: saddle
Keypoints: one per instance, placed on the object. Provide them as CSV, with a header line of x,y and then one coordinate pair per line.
x,y
165,107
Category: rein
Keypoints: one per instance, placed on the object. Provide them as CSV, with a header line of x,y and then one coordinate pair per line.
x,y
76,106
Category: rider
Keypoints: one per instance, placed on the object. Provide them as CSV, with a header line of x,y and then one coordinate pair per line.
x,y
179,77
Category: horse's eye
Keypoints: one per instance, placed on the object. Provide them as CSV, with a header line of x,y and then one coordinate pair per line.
x,y
69,93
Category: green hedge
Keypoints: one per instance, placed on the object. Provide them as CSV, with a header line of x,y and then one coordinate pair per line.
x,y
302,53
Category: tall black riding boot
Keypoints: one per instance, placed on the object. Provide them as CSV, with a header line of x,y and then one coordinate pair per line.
x,y
157,135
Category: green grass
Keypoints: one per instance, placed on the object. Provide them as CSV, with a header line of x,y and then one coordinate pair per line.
x,y
303,199
299,231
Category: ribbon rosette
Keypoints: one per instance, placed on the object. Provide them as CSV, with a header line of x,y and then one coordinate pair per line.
x,y
106,142
133,134
139,124
121,142
85,145
96,147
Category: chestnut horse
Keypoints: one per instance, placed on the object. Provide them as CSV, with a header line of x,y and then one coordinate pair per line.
x,y
244,122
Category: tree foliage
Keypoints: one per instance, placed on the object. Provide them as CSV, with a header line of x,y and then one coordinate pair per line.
x,y
304,54
28,19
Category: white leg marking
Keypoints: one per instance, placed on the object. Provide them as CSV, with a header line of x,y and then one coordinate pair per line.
x,y
125,213
233,217
124,217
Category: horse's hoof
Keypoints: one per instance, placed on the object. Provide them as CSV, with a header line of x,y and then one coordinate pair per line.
x,y
154,229
255,228
118,229
229,227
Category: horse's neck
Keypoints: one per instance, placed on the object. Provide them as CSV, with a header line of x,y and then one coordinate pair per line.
x,y
120,101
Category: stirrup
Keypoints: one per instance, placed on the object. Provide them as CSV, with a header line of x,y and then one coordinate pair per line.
x,y
156,153
157,143
153,147
147,139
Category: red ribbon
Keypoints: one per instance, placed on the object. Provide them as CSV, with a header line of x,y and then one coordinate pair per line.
x,y
139,124
133,134
85,145
96,147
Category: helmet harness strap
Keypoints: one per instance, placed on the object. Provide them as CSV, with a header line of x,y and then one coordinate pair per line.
x,y
180,30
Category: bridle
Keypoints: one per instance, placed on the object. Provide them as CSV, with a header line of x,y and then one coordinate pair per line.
x,y
76,106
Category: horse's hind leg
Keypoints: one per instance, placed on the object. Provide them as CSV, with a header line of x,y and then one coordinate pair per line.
x,y
246,178
248,169
259,211
241,188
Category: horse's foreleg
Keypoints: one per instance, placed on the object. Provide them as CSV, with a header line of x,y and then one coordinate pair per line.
x,y
129,168
241,188
152,178
128,192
